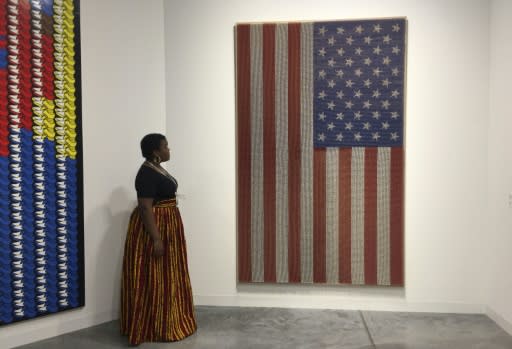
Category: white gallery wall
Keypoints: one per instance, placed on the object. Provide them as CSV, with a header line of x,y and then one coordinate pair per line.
x,y
123,90
500,165
446,149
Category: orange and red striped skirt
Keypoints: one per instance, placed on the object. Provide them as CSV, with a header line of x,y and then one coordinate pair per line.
x,y
156,294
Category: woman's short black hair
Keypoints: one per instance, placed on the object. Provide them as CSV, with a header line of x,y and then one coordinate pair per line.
x,y
149,143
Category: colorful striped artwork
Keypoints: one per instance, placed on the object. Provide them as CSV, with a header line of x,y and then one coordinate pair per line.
x,y
320,156
41,208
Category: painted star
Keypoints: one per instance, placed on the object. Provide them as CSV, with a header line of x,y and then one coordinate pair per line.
x,y
331,126
367,104
349,104
394,136
339,137
386,39
367,83
386,60
377,28
339,73
331,62
321,137
385,104
331,40
340,94
396,27
340,116
331,105
322,74
358,115
375,136
340,30
348,126
358,51
376,115
366,126
395,94
341,51
358,94
367,61
377,50
322,30
377,71
368,40
350,41
331,83
322,94
357,136
349,83
349,62
358,72
394,115
359,29
376,94
385,125
396,50
386,82
322,116
322,52
395,71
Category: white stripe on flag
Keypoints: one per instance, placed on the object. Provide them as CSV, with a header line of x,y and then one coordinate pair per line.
x,y
332,229
257,257
357,180
282,152
383,211
306,106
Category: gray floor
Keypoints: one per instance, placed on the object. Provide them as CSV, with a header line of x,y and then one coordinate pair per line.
x,y
247,328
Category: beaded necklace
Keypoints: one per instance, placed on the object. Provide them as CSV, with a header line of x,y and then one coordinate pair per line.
x,y
160,170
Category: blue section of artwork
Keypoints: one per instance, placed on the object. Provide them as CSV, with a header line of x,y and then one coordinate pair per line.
x,y
27,207
51,226
72,229
3,58
6,301
359,83
47,7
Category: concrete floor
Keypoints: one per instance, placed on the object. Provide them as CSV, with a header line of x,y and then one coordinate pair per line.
x,y
248,328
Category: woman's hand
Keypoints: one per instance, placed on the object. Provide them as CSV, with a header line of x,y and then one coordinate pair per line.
x,y
158,248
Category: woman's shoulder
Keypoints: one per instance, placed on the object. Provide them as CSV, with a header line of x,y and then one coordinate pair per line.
x,y
145,171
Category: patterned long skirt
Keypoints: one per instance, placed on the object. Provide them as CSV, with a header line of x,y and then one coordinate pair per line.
x,y
156,294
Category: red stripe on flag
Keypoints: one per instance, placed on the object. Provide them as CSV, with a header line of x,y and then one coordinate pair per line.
x,y
319,211
243,52
370,216
396,217
294,155
345,214
269,153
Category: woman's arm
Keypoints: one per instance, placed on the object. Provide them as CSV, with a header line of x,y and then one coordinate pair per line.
x,y
148,218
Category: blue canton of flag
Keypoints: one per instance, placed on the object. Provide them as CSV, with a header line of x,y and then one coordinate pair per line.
x,y
359,83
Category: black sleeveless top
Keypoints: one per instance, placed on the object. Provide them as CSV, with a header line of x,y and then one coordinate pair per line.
x,y
151,184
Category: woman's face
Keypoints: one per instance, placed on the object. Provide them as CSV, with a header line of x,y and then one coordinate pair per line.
x,y
163,152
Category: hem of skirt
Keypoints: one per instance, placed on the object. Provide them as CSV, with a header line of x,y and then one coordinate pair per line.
x,y
159,340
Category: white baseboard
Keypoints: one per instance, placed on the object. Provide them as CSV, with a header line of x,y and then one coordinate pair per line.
x,y
50,326
332,302
500,320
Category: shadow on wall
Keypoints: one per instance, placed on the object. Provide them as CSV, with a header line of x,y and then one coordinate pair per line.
x,y
109,255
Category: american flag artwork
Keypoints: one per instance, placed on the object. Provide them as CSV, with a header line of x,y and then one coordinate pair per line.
x,y
41,208
320,156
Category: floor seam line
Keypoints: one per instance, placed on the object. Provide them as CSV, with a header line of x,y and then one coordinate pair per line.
x,y
367,329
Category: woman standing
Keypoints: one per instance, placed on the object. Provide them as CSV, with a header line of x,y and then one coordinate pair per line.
x,y
156,293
